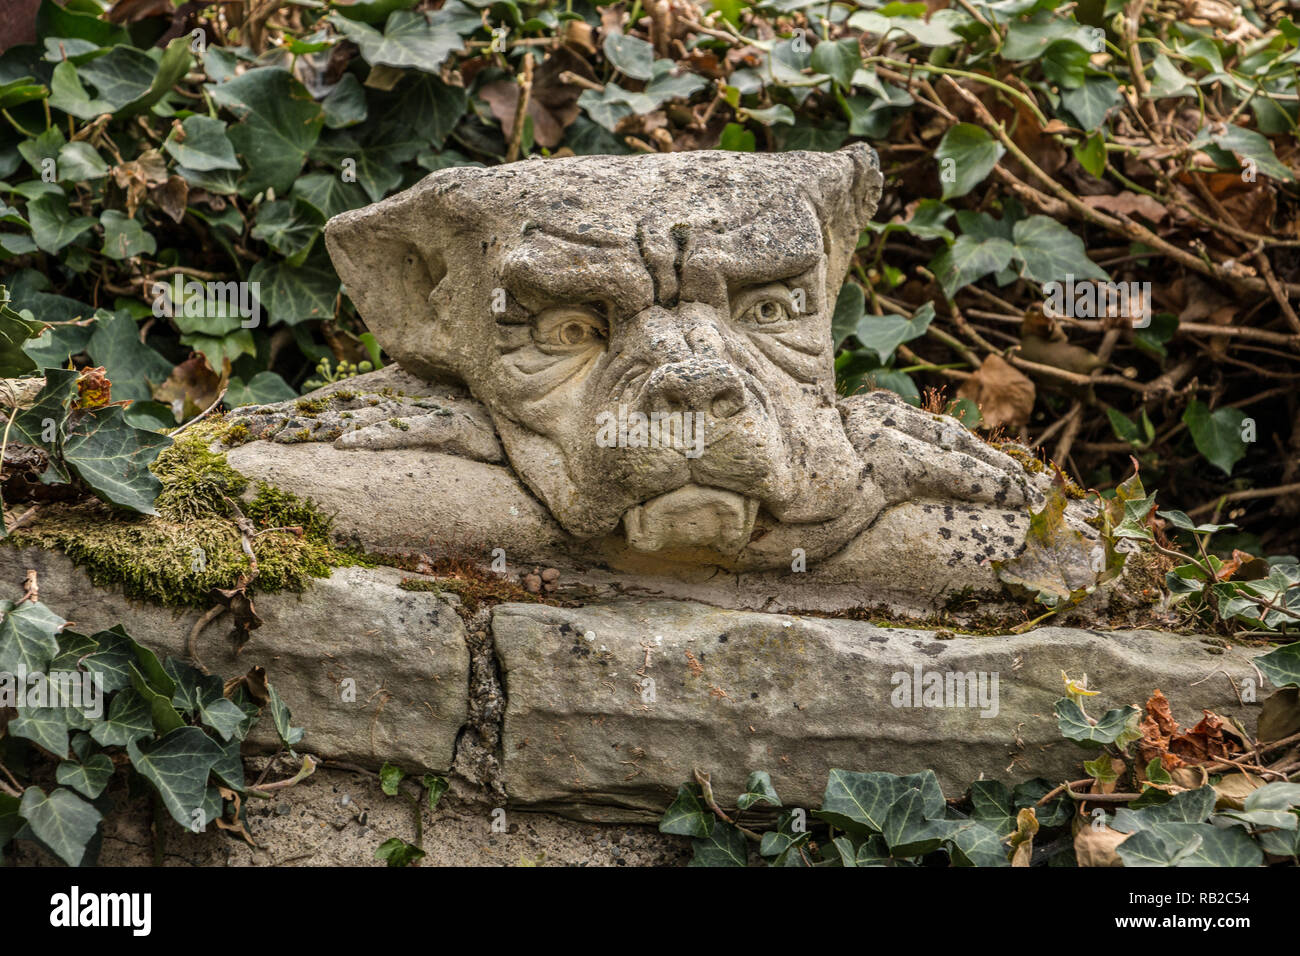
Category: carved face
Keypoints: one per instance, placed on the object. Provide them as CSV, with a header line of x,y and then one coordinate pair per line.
x,y
652,334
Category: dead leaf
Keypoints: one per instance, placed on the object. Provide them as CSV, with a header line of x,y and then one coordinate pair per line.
x,y
191,387
1234,788
1210,741
1279,717
552,104
234,824
94,390
254,683
1022,841
579,33
1129,204
172,197
1004,394
1094,845
137,176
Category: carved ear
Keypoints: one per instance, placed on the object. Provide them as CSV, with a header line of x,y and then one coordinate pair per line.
x,y
846,195
391,256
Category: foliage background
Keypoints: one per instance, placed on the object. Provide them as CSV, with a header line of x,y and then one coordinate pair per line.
x,y
1141,141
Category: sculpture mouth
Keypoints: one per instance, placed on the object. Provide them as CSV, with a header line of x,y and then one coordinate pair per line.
x,y
693,516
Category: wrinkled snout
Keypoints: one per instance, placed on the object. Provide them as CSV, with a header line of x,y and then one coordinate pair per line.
x,y
700,384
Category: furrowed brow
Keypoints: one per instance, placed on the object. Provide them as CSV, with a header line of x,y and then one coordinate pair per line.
x,y
547,269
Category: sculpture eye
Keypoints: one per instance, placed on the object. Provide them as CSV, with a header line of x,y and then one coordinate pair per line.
x,y
767,308
570,329
767,312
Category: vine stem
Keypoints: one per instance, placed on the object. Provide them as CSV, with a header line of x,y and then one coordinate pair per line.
x,y
706,787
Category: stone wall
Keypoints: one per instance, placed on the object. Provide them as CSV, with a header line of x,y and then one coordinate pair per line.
x,y
607,708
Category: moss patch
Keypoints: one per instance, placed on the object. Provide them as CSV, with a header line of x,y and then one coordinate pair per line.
x,y
192,545
476,586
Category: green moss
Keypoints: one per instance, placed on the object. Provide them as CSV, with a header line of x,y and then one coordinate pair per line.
x,y
192,545
399,424
312,406
343,395
236,434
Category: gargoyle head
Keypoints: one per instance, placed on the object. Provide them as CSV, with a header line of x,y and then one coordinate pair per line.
x,y
651,334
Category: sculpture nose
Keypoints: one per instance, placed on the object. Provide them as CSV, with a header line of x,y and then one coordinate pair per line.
x,y
697,385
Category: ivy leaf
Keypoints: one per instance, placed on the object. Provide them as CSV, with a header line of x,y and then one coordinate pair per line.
x,y
89,777
1217,434
934,32
758,789
779,842
281,123
328,193
346,104
289,227
910,827
53,224
112,457
630,55
860,802
289,735
79,161
126,80
1255,147
849,306
1054,566
264,388
27,637
1050,251
966,155
969,259
1065,63
1092,102
293,294
132,365
229,768
62,821
1187,844
15,331
398,852
436,786
164,715
409,39
1113,727
838,59
979,844
129,719
124,237
1183,523
885,333
1280,666
177,764
202,145
687,815
46,726
390,777
724,846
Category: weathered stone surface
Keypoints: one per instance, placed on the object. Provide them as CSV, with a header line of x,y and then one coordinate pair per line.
x,y
405,651
650,340
425,497
796,696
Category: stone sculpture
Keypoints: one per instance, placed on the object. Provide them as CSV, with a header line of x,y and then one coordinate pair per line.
x,y
621,369
650,339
